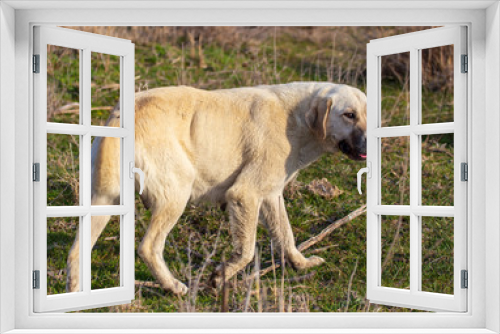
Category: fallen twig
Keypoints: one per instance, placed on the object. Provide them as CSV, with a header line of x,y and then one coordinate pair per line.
x,y
350,285
330,228
147,284
326,231
321,249
302,278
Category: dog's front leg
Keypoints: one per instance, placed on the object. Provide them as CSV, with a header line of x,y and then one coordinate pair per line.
x,y
275,218
243,207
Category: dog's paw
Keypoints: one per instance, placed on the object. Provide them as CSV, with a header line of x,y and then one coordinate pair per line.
x,y
179,288
314,261
308,263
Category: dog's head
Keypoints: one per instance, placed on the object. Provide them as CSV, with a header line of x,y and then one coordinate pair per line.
x,y
337,117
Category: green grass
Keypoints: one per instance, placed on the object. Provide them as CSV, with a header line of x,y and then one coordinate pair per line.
x,y
340,283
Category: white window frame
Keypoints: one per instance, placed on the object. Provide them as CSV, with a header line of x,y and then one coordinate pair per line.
x,y
413,43
483,20
86,43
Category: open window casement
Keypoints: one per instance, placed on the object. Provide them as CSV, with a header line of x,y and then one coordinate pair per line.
x,y
78,133
416,209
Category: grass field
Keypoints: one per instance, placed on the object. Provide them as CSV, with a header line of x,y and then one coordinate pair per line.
x,y
225,58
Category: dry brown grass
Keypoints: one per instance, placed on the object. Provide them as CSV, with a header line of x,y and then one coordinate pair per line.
x,y
343,54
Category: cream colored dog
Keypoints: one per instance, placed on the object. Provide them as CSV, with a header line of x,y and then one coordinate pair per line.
x,y
235,146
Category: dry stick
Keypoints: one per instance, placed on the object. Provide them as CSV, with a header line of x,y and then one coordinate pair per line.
x,y
201,62
314,240
330,228
332,59
390,253
282,290
208,260
147,284
275,54
257,280
290,302
188,302
250,281
192,51
264,297
349,286
321,249
225,287
302,278
273,268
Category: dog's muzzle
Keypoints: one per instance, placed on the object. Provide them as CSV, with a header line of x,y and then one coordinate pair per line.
x,y
358,153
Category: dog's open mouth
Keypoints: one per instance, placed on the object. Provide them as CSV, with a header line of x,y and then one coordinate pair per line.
x,y
348,150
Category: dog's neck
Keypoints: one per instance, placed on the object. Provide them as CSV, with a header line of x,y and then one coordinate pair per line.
x,y
309,152
306,149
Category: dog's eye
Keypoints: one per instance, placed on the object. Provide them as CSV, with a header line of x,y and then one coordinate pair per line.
x,y
350,115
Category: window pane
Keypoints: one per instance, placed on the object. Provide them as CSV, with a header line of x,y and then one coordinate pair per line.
x,y
61,233
63,170
437,254
437,84
437,170
395,261
106,252
106,180
395,89
395,170
105,89
63,85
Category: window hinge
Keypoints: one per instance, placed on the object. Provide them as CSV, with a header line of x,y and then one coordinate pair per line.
x,y
465,279
465,64
464,171
36,279
36,63
36,172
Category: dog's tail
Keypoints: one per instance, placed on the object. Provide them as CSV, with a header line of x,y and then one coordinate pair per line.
x,y
105,191
106,166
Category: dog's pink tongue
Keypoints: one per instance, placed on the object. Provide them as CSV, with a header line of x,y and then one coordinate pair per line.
x,y
363,156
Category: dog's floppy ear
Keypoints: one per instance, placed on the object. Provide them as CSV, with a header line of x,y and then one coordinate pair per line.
x,y
317,116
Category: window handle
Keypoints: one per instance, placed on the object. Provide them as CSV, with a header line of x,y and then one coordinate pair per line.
x,y
368,171
138,171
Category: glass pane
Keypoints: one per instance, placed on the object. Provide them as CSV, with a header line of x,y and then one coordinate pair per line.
x,y
395,261
105,89
61,233
395,89
63,170
437,84
437,254
106,171
63,85
395,170
106,252
437,170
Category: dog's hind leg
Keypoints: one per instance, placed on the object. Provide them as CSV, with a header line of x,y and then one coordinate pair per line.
x,y
105,191
275,218
164,218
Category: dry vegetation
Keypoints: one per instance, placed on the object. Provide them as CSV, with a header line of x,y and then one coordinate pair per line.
x,y
317,202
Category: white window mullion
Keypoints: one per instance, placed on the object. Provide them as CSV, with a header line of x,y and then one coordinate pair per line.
x,y
127,230
85,182
414,172
373,183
